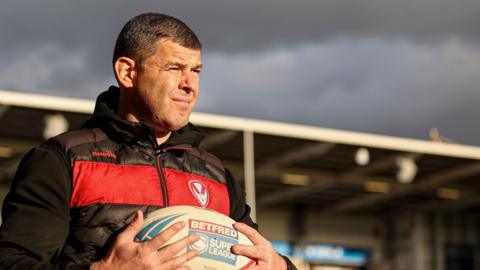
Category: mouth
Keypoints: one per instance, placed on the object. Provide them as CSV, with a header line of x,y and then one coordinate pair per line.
x,y
182,102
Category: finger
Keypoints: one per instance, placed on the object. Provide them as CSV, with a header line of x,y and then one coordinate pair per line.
x,y
178,261
132,229
160,239
253,252
174,248
251,233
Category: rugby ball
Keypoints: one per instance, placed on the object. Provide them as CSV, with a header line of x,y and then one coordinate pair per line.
x,y
217,236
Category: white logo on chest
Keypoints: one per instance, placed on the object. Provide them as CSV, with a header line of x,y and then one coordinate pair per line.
x,y
199,191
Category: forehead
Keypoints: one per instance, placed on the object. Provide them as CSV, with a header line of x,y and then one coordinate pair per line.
x,y
167,50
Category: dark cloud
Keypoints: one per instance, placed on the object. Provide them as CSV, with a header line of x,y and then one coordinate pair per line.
x,y
390,67
372,85
235,25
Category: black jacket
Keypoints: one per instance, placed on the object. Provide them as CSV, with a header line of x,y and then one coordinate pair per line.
x,y
67,202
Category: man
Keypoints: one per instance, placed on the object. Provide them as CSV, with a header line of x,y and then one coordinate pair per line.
x,y
73,199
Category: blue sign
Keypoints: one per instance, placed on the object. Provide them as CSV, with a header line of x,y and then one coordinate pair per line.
x,y
323,253
332,254
283,248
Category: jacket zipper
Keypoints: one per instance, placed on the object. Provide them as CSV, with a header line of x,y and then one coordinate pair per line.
x,y
163,181
158,165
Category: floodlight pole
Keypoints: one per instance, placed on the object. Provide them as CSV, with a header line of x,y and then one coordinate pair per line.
x,y
249,171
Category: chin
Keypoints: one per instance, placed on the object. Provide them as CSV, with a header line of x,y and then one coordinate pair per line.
x,y
177,126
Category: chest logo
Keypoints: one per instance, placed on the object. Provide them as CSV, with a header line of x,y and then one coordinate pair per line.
x,y
199,191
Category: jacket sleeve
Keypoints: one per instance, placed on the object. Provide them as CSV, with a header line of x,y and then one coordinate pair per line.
x,y
240,210
35,212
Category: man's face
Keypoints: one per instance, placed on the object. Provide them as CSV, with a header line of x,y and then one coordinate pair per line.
x,y
167,84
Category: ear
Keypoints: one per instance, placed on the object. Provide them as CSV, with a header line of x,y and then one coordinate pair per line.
x,y
124,68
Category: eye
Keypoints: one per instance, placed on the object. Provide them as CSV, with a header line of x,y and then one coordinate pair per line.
x,y
197,71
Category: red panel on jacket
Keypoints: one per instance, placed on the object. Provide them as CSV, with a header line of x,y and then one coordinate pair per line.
x,y
189,189
98,182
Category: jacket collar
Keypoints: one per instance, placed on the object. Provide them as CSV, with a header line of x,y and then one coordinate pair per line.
x,y
105,117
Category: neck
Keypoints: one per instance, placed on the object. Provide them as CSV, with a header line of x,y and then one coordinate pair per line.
x,y
162,136
125,112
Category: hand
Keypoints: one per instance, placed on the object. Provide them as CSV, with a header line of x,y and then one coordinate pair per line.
x,y
262,250
126,254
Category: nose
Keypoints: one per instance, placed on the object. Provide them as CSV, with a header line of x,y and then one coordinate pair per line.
x,y
188,82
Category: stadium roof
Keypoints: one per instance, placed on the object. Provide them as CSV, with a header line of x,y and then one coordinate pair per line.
x,y
334,171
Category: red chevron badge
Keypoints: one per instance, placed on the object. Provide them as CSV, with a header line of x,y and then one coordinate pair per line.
x,y
199,191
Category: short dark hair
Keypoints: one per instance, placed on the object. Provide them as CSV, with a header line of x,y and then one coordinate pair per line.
x,y
139,35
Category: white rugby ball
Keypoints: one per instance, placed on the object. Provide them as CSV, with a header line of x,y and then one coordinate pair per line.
x,y
217,236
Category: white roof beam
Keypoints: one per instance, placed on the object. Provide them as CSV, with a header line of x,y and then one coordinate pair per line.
x,y
263,127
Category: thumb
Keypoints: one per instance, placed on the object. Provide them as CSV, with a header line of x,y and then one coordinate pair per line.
x,y
133,228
